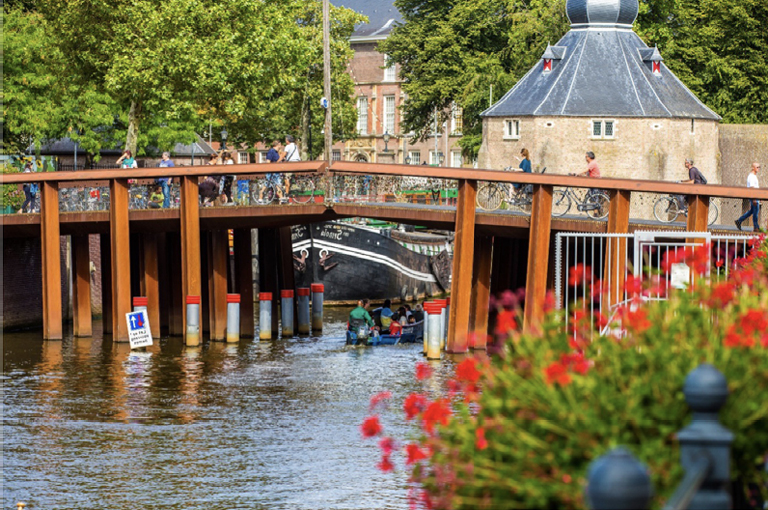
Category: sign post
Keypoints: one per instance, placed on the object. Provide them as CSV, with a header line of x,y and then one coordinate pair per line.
x,y
139,334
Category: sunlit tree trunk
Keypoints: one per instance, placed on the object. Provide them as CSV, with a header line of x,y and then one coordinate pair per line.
x,y
132,137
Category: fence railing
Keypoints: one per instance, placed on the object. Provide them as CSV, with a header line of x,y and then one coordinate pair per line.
x,y
618,480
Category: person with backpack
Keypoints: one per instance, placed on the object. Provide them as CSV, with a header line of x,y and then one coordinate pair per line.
x,y
30,191
694,176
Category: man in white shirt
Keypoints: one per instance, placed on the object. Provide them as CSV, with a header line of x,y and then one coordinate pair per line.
x,y
754,209
290,153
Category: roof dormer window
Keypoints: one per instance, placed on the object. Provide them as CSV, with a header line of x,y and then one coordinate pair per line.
x,y
657,68
652,57
551,55
547,65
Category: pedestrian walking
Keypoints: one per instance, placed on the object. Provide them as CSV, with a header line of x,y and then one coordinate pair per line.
x,y
165,182
30,191
754,208
226,189
290,153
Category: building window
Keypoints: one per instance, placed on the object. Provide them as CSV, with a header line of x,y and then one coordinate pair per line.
x,y
242,158
336,155
415,157
362,115
389,114
603,129
693,126
457,119
435,157
390,72
456,159
262,156
512,130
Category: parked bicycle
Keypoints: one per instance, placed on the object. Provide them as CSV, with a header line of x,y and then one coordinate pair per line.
x,y
667,209
594,203
301,191
491,195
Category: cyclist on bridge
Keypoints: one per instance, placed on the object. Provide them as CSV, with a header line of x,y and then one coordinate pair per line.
x,y
694,176
592,169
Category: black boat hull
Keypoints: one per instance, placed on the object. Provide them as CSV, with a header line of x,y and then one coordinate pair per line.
x,y
354,262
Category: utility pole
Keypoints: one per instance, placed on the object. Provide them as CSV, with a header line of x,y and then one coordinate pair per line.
x,y
327,78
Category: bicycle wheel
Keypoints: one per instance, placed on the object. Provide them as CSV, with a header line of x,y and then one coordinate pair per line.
x,y
302,190
489,197
666,209
561,203
600,203
714,213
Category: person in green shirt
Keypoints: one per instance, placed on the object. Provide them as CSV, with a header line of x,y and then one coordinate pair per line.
x,y
156,198
361,312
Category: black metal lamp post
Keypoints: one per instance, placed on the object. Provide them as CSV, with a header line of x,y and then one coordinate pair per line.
x,y
407,160
386,141
224,139
441,158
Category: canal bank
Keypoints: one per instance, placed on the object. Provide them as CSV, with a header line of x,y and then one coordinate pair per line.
x,y
272,425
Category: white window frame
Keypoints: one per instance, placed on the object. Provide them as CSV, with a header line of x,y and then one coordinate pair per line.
x,y
512,129
390,71
415,157
434,158
240,156
262,156
390,102
456,158
362,115
457,119
602,123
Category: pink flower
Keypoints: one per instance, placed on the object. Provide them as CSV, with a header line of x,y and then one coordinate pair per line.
x,y
378,398
387,444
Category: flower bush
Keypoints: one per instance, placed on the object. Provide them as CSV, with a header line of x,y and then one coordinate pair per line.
x,y
519,430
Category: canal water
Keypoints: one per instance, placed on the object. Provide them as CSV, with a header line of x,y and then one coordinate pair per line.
x,y
256,425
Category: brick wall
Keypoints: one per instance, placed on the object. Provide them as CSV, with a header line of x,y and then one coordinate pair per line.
x,y
740,146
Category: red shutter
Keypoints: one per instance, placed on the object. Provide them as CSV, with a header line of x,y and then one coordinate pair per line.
x,y
547,64
657,68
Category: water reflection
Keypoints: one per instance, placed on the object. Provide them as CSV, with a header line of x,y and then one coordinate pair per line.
x,y
89,423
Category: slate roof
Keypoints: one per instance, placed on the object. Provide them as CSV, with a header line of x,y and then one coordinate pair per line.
x,y
382,16
604,71
602,12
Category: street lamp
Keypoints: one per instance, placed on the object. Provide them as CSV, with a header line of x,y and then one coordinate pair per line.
x,y
224,138
440,158
386,140
407,160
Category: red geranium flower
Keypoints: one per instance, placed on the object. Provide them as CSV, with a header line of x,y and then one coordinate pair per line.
x,y
579,274
371,426
557,373
480,442
722,294
414,454
413,405
387,444
386,464
467,371
438,412
633,285
423,371
505,322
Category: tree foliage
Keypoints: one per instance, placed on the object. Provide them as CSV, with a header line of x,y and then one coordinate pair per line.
x,y
154,72
456,50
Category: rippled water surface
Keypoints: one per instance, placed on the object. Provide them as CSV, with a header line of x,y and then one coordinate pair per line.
x,y
257,425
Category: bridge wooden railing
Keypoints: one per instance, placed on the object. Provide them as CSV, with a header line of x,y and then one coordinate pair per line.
x,y
471,266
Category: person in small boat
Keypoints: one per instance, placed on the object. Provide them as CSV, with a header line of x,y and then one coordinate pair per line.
x,y
385,314
395,328
418,313
402,316
411,320
361,314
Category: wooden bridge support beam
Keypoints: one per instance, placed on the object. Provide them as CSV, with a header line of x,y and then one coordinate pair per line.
x,y
538,256
82,323
176,303
190,244
218,256
616,249
481,291
50,249
106,283
119,235
698,213
463,263
244,280
150,280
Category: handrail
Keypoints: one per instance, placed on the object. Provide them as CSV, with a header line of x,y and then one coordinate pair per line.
x,y
146,173
711,190
694,477
342,167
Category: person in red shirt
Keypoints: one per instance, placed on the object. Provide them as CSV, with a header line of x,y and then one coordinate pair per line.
x,y
592,169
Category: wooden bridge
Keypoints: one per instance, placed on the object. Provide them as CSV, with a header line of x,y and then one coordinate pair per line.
x,y
197,237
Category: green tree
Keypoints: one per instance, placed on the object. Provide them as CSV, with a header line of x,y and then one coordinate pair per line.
x,y
169,62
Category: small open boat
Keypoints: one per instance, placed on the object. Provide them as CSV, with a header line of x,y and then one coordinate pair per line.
x,y
358,334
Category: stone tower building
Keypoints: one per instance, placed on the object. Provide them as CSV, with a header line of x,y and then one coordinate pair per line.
x,y
602,89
